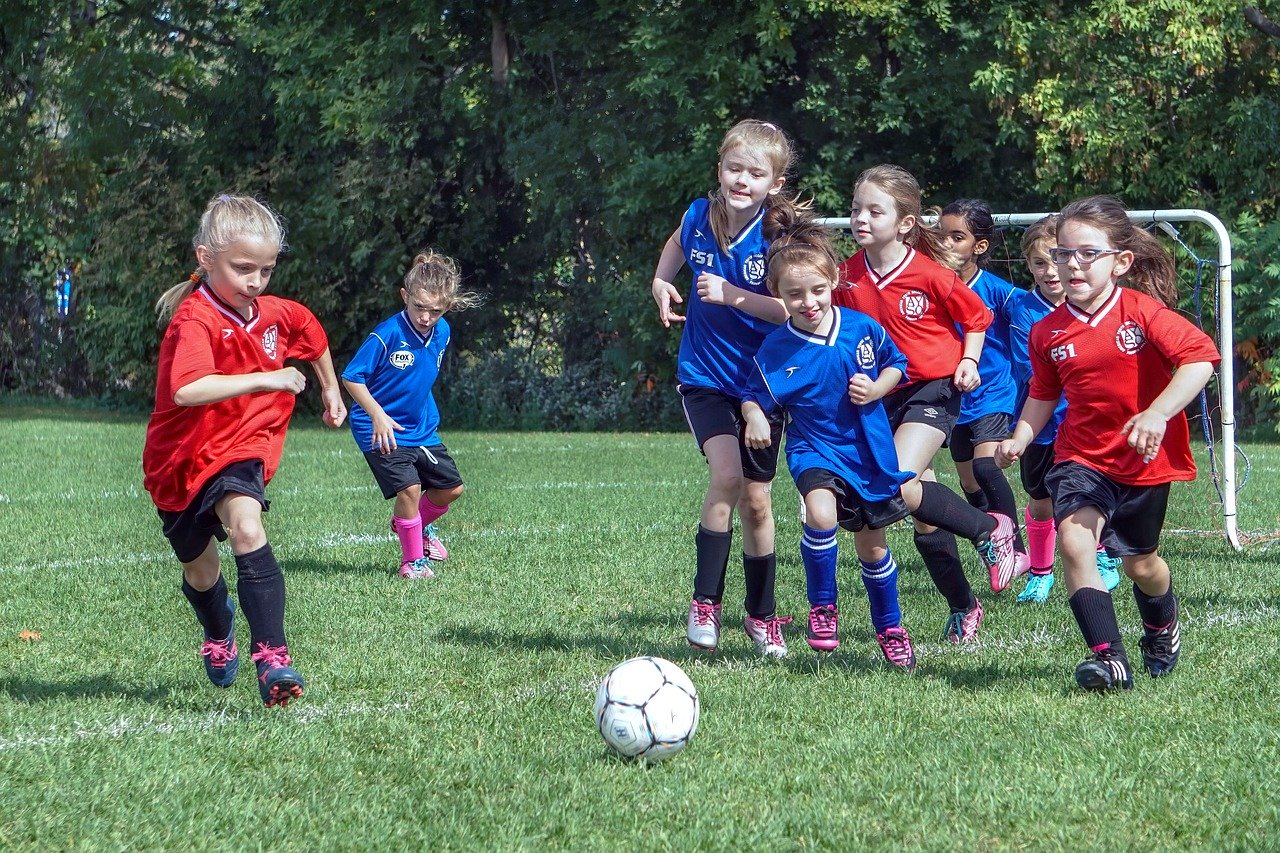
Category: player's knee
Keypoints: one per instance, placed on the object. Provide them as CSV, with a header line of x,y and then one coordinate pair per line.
x,y
412,492
246,533
451,495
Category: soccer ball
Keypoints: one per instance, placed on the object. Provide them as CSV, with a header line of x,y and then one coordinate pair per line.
x,y
647,708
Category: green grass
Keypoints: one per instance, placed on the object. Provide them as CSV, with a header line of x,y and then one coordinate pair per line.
x,y
456,713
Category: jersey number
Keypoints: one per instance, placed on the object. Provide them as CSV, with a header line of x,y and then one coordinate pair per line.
x,y
701,258
1063,353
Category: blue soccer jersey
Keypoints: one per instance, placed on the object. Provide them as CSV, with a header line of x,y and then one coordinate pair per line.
x,y
998,394
808,376
1028,309
398,366
719,340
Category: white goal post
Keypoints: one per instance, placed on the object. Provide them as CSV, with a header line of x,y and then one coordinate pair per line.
x,y
1226,370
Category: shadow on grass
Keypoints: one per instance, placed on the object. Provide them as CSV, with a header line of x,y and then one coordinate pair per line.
x,y
93,687
609,646
983,678
298,565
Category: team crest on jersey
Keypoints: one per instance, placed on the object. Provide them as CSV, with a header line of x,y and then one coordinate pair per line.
x,y
753,269
913,304
1130,338
269,340
401,358
866,354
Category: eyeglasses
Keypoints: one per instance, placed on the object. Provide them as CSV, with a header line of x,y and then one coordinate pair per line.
x,y
1083,256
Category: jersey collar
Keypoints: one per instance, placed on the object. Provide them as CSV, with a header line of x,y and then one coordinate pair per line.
x,y
1097,316
748,228
230,313
828,340
883,281
411,329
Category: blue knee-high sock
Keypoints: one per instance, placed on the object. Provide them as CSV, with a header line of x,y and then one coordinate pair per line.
x,y
881,581
818,549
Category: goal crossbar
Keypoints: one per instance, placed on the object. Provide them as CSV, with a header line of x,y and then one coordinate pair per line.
x,y
1226,371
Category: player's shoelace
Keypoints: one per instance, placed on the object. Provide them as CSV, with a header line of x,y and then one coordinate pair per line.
x,y
773,629
704,613
822,620
271,657
896,644
219,652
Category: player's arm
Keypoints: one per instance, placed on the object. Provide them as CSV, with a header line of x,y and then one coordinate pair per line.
x,y
384,428
715,290
862,390
757,435
966,376
664,292
1035,414
216,387
1146,429
335,411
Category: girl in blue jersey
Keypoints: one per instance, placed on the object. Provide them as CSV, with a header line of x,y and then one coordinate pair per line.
x,y
840,450
986,412
1030,307
724,239
395,418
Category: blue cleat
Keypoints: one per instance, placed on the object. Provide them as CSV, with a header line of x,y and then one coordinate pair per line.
x,y
1109,568
221,658
278,681
1037,589
432,546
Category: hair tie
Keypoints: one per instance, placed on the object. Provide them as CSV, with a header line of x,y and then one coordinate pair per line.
x,y
224,198
195,277
769,125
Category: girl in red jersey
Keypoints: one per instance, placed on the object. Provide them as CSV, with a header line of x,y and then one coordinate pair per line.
x,y
1124,439
894,279
222,405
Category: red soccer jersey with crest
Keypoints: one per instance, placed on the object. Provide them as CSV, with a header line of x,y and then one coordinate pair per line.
x,y
920,303
1112,364
186,445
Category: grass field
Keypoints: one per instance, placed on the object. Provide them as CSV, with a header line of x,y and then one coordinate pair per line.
x,y
456,713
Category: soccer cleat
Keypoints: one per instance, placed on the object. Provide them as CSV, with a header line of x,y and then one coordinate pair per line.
x,y
1161,648
896,645
824,628
278,682
221,658
1105,670
414,570
1002,560
963,627
432,546
767,634
703,628
1109,568
1037,589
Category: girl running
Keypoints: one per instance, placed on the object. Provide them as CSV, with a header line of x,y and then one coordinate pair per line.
x,y
839,446
1047,294
923,306
723,239
395,418
222,405
1124,437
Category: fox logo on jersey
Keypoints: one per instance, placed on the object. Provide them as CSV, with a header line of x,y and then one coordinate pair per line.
x,y
913,304
1130,338
753,268
866,354
269,339
401,359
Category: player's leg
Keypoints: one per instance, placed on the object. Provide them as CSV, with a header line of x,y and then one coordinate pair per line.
x,y
397,476
759,561
880,577
193,534
442,485
961,448
988,432
1042,530
714,539
1135,533
819,552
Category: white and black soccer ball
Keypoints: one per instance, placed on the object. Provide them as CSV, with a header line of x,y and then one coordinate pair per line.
x,y
647,708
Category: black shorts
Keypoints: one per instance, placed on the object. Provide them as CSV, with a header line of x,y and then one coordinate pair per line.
x,y
429,467
935,402
853,511
711,413
1134,514
1035,463
189,531
965,437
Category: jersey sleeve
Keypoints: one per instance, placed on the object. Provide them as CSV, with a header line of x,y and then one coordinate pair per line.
x,y
307,339
1020,323
366,360
758,390
887,352
965,307
192,355
1045,382
1180,340
695,214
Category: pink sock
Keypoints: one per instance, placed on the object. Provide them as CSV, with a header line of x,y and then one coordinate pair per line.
x,y
1042,536
409,532
429,511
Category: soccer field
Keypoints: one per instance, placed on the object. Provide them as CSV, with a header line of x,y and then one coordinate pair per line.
x,y
457,712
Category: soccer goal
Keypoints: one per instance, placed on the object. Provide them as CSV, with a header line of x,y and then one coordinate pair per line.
x,y
1224,475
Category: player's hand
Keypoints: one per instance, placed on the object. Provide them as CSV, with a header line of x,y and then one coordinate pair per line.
x,y
665,293
335,410
1145,431
714,290
288,379
1008,452
966,377
757,435
862,390
384,433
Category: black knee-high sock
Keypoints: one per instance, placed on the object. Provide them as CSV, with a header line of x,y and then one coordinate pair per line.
x,y
999,496
977,500
942,559
260,588
1157,611
941,507
1096,615
713,559
210,607
759,573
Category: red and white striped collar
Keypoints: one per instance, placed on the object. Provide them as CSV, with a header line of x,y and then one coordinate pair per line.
x,y
883,281
230,313
1097,316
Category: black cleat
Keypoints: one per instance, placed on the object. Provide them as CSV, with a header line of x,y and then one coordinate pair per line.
x,y
1105,670
1160,648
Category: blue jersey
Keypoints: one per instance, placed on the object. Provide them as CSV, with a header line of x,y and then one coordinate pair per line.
x,y
398,366
1027,310
998,394
719,340
808,375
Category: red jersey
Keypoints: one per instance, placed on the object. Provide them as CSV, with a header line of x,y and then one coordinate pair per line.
x,y
186,445
920,303
1112,364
